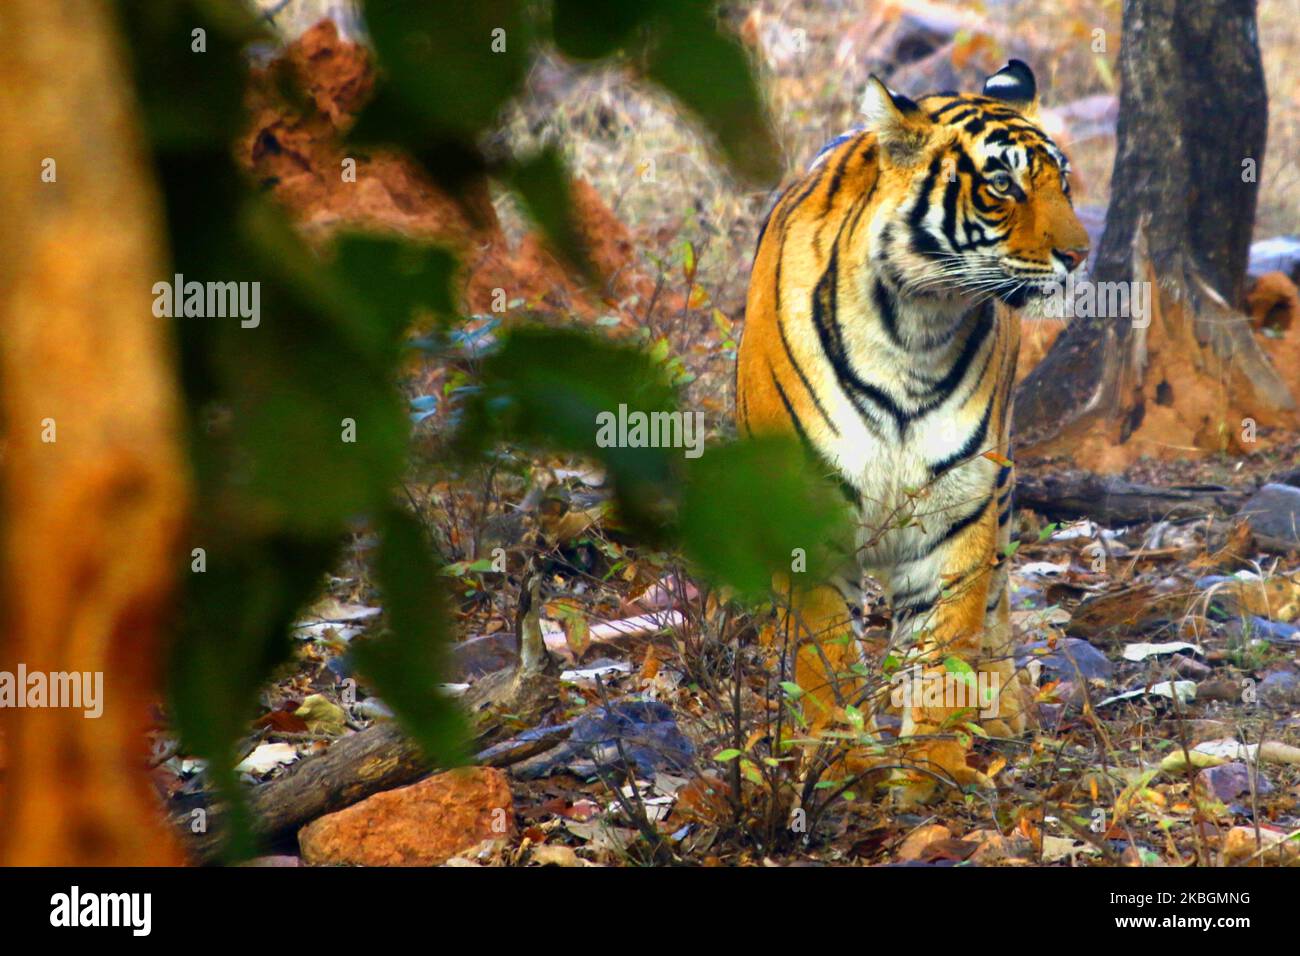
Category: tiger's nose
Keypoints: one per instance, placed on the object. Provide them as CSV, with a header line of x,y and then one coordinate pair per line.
x,y
1072,258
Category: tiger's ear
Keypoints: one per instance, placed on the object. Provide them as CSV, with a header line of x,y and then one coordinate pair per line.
x,y
1015,85
900,125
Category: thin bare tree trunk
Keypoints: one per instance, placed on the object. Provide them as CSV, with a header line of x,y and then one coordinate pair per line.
x,y
94,483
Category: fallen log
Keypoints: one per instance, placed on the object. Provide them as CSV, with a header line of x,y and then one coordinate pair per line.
x,y
1113,501
382,757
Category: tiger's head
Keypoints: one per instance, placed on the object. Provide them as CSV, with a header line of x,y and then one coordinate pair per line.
x,y
975,196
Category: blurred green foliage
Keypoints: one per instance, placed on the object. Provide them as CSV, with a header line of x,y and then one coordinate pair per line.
x,y
269,407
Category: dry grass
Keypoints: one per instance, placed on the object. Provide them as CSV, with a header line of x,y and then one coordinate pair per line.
x,y
814,57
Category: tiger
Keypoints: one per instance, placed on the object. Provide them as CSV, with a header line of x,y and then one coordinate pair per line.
x,y
882,330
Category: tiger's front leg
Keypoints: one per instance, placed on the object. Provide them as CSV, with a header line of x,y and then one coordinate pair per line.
x,y
940,605
1008,715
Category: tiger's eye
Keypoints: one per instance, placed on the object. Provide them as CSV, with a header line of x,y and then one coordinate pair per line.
x,y
1000,181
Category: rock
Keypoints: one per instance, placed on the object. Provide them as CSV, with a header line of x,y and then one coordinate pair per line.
x,y
1263,629
1199,729
1229,781
920,839
483,655
424,824
1274,516
1280,689
1060,661
1190,667
1221,689
647,730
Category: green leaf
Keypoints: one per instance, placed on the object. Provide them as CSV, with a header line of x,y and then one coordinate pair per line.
x,y
190,101
793,689
591,29
542,182
556,389
407,664
450,66
855,717
709,74
235,629
955,665
749,505
724,756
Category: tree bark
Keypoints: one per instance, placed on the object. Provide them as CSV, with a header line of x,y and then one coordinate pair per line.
x,y
1191,135
93,479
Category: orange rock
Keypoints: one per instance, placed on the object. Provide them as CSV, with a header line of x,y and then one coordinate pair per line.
x,y
1273,302
424,824
297,154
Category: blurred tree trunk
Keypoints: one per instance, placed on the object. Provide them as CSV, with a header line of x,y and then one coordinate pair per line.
x,y
1192,127
93,478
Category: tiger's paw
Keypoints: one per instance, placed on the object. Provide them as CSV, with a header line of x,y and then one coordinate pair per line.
x,y
947,764
1014,706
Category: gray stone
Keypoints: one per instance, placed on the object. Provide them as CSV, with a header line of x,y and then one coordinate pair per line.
x,y
1280,689
1229,781
1274,516
1060,661
482,655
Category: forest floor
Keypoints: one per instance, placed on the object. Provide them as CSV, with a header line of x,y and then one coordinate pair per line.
x,y
1107,619
1165,652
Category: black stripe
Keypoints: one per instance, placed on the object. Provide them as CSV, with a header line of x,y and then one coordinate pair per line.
x,y
969,448
789,410
962,116
832,342
794,363
762,230
836,177
947,107
865,200
814,181
906,597
951,193
943,389
907,612
885,305
957,527
922,242
832,188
